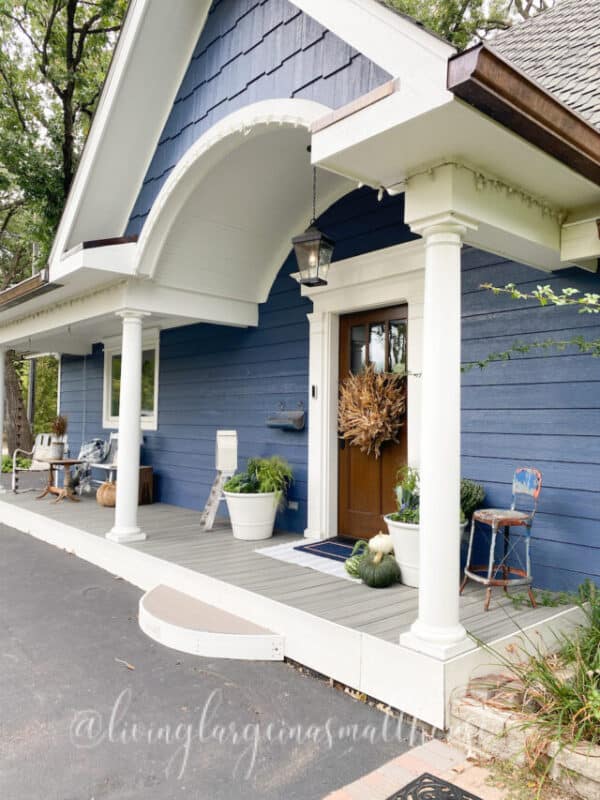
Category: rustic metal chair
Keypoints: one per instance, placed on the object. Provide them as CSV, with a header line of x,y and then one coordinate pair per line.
x,y
44,447
526,487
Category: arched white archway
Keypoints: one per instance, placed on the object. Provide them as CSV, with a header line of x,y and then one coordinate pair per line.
x,y
223,221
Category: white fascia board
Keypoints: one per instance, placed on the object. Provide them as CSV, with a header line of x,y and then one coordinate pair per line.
x,y
330,145
580,241
145,295
389,40
151,57
504,223
113,259
62,315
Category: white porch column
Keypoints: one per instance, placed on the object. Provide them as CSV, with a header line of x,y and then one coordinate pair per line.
x,y
437,631
2,403
126,527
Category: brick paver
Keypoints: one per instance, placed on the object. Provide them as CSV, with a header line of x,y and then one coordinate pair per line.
x,y
435,757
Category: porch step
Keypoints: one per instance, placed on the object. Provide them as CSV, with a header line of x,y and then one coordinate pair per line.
x,y
183,623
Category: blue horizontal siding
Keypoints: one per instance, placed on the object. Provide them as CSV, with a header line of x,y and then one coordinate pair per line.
x,y
253,50
540,408
214,377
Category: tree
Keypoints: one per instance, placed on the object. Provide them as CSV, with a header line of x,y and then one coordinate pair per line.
x,y
462,22
55,54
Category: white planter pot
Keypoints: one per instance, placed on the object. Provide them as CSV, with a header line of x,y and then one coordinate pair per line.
x,y
405,538
252,516
51,452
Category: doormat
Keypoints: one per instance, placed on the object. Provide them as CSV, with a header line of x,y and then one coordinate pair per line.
x,y
428,787
338,549
292,553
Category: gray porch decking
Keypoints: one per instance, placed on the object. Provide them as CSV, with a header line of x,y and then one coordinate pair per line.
x,y
174,536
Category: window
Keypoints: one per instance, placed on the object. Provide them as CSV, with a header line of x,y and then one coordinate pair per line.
x,y
112,381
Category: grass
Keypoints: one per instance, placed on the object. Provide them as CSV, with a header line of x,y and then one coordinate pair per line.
x,y
545,599
520,784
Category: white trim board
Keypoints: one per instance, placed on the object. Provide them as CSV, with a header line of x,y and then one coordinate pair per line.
x,y
382,278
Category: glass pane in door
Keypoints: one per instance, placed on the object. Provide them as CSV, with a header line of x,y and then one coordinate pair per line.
x,y
358,348
377,346
398,346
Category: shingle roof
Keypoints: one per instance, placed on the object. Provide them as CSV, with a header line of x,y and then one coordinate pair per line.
x,y
560,49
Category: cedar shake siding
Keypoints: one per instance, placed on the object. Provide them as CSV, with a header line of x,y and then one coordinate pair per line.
x,y
253,50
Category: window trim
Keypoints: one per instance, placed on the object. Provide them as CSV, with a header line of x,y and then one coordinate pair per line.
x,y
113,347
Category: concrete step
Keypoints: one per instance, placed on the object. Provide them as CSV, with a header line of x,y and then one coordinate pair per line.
x,y
183,623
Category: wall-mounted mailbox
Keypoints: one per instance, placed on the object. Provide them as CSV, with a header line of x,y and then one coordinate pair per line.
x,y
226,452
288,420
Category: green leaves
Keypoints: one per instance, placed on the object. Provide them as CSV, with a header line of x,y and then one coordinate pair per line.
x,y
54,57
463,21
262,475
588,303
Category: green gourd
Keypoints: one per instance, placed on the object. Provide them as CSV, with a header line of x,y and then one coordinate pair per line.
x,y
356,556
377,571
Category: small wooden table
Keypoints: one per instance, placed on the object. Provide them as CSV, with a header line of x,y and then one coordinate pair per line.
x,y
67,489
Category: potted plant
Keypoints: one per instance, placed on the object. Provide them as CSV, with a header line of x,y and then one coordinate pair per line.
x,y
254,496
403,525
55,449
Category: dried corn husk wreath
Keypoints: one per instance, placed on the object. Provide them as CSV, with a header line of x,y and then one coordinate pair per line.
x,y
372,409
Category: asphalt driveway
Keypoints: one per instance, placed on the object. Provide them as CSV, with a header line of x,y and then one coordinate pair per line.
x,y
90,708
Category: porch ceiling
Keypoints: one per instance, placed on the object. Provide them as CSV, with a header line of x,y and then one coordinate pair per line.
x,y
233,232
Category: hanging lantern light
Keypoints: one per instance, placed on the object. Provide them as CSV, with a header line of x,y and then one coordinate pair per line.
x,y
313,249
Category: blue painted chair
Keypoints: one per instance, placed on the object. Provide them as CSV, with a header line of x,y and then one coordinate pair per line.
x,y
526,488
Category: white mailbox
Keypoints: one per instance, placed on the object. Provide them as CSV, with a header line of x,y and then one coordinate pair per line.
x,y
226,455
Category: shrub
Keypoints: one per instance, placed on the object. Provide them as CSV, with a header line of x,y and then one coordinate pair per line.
x,y
7,463
472,496
408,497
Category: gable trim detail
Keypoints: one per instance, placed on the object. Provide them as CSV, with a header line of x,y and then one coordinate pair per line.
x,y
210,149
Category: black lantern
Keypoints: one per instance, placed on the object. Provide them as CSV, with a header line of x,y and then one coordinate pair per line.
x,y
313,249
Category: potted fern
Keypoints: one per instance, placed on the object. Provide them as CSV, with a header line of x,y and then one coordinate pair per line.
x,y
254,497
403,525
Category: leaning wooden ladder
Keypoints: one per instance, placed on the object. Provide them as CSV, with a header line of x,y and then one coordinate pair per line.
x,y
207,520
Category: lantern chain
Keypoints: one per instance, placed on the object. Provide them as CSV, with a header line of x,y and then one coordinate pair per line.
x,y
314,214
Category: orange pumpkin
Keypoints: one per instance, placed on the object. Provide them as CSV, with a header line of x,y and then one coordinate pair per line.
x,y
107,494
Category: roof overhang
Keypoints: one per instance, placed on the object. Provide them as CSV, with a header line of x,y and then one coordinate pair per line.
x,y
150,60
484,80
25,290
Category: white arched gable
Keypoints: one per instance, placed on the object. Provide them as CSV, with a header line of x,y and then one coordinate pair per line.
x,y
223,221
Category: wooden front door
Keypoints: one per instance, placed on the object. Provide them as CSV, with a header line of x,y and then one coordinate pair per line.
x,y
366,483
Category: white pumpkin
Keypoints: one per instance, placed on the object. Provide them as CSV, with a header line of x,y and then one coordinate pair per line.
x,y
381,545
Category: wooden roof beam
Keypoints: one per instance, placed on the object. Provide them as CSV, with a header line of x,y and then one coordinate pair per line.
x,y
487,82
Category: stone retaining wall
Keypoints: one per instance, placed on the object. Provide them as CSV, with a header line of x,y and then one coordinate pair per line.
x,y
487,731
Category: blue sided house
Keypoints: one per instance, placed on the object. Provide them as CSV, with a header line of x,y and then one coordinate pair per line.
x,y
180,307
